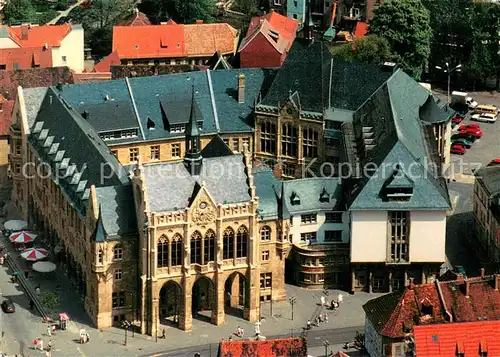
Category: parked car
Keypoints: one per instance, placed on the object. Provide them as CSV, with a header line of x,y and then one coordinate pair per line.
x,y
457,118
463,142
470,130
458,149
471,125
8,306
485,117
467,137
494,162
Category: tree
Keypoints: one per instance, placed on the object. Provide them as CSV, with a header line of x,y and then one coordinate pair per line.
x,y
406,25
248,7
19,11
369,49
179,10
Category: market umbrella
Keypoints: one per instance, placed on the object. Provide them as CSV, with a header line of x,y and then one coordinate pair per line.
x,y
34,254
44,267
63,316
22,237
15,225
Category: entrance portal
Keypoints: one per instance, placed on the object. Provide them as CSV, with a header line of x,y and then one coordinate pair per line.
x,y
235,295
170,303
203,299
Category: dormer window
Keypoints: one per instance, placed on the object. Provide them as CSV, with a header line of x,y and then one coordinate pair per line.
x,y
324,196
294,199
151,124
398,187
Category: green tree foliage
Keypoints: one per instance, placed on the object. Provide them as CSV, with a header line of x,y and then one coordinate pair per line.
x,y
19,11
179,10
405,24
369,49
98,21
50,300
248,7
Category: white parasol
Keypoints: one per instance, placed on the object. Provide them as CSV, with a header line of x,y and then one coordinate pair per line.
x,y
44,267
15,225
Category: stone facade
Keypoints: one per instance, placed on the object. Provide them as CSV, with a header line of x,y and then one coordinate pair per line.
x,y
175,290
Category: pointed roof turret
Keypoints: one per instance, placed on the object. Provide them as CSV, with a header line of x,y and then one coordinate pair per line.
x,y
100,234
192,127
193,158
308,23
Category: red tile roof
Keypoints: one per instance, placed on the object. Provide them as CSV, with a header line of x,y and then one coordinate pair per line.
x,y
392,315
85,77
285,27
39,36
174,41
361,29
6,108
282,347
446,340
25,58
105,65
137,19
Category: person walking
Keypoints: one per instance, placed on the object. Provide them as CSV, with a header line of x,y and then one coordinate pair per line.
x,y
32,305
40,344
49,330
322,301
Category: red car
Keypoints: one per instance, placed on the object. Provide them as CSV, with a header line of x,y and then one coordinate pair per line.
x,y
457,119
470,130
469,126
458,149
494,162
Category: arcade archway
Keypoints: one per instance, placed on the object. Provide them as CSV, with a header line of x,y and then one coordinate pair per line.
x,y
235,295
171,302
203,299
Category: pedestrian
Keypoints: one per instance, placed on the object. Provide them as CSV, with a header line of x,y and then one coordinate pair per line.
x,y
49,346
326,318
242,332
40,344
37,290
49,330
32,305
3,334
35,343
308,324
88,337
163,334
322,301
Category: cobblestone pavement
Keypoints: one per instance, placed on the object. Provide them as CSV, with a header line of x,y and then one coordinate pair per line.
x,y
111,341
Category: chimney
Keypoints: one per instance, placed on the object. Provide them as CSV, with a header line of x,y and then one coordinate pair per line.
x,y
199,22
467,288
24,31
59,86
136,11
241,88
85,114
497,281
482,273
460,279
271,11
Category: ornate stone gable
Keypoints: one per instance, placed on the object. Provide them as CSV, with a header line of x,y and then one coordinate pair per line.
x,y
203,209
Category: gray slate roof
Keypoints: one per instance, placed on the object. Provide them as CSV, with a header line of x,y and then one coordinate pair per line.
x,y
489,176
431,112
33,98
322,80
224,177
110,116
400,139
267,188
117,209
66,141
215,98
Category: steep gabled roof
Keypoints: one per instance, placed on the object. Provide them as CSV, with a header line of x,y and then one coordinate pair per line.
x,y
136,19
468,338
25,58
281,347
105,64
39,36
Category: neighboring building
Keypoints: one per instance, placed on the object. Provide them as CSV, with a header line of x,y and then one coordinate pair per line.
x,y
150,113
6,108
296,9
278,5
486,208
64,42
268,40
466,339
104,66
13,59
174,44
136,19
294,346
391,319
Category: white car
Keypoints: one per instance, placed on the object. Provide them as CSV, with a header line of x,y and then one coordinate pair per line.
x,y
471,103
486,117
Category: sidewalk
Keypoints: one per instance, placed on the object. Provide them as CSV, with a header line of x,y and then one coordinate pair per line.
x,y
111,341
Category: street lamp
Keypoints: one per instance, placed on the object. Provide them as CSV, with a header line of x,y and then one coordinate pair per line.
x,y
326,344
292,300
126,326
449,72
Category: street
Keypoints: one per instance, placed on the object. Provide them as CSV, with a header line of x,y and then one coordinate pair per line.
x,y
315,338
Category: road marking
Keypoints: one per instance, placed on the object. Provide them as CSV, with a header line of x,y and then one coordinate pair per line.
x,y
80,351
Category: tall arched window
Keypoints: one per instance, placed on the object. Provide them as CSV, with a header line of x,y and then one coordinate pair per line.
x,y
265,233
209,247
241,242
196,248
228,248
162,252
176,248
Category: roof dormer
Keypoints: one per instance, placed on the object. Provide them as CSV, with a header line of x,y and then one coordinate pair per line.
x,y
398,187
294,199
324,196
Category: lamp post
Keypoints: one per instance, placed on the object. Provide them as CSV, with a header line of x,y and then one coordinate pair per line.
x,y
292,300
449,71
326,344
126,326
